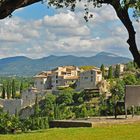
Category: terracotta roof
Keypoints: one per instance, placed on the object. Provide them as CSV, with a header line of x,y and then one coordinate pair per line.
x,y
43,74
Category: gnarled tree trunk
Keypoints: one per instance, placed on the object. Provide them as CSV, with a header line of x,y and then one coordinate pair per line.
x,y
123,15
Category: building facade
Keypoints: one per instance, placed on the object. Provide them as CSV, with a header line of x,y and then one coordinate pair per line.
x,y
64,76
58,77
89,79
42,81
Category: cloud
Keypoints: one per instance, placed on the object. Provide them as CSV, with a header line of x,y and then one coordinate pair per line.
x,y
65,32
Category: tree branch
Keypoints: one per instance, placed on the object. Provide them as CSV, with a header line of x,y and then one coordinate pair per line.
x,y
8,6
122,13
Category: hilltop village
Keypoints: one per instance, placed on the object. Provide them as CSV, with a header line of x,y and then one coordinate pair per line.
x,y
80,79
66,93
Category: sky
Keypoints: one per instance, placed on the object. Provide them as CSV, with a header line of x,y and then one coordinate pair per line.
x,y
37,31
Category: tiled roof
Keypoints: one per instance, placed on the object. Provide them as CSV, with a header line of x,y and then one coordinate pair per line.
x,y
43,74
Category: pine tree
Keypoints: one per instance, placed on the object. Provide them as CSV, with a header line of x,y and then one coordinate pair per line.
x,y
13,89
110,73
3,91
102,68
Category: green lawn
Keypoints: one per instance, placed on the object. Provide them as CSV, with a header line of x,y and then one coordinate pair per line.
x,y
114,132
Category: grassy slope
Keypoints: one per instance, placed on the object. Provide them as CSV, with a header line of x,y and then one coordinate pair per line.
x,y
118,132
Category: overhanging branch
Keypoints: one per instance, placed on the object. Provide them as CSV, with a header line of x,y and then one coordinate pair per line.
x,y
8,6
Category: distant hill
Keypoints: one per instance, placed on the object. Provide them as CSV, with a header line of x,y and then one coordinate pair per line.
x,y
23,66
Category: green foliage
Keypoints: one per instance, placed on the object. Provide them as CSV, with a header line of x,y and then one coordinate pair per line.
x,y
130,66
48,106
3,92
84,112
34,123
8,90
87,67
102,68
103,105
36,108
21,87
13,89
15,85
130,79
57,113
66,112
76,96
110,73
65,97
8,123
117,71
117,91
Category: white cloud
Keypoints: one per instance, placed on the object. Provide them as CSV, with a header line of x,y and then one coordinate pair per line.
x,y
65,33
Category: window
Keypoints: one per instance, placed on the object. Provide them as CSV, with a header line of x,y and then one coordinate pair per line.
x,y
86,78
41,82
56,81
91,78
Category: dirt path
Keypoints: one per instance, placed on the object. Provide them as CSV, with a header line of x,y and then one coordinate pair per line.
x,y
97,121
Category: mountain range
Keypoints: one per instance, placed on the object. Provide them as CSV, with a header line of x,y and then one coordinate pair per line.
x,y
24,66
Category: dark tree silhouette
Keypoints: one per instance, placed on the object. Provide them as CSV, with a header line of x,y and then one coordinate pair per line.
x,y
120,6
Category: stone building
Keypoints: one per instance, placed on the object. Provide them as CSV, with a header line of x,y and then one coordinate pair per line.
x,y
58,77
89,78
64,76
42,81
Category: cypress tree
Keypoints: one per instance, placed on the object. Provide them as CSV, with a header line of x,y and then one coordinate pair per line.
x,y
21,88
8,90
3,92
110,73
102,68
36,109
117,71
13,89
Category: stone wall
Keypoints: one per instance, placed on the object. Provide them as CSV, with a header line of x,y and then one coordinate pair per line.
x,y
69,123
26,112
28,98
12,106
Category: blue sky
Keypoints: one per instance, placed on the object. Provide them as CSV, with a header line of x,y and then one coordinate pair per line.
x,y
36,31
35,11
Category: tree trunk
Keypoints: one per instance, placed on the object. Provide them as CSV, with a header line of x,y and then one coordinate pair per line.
x,y
123,15
133,48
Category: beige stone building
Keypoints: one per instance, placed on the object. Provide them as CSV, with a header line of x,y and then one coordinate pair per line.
x,y
64,76
58,77
42,81
122,68
89,79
